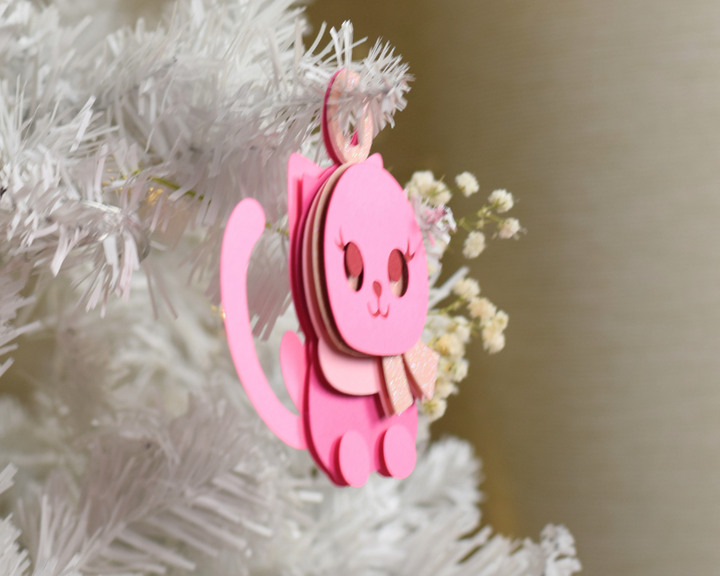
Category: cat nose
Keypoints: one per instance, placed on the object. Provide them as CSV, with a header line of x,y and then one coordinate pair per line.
x,y
377,288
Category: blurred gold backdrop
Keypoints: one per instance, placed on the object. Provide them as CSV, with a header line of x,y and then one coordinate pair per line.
x,y
603,412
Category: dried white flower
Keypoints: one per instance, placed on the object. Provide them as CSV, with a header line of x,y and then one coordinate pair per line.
x,y
474,244
467,183
493,339
444,388
449,345
459,370
467,288
500,320
481,308
461,328
434,408
444,367
501,200
509,228
440,195
436,225
421,183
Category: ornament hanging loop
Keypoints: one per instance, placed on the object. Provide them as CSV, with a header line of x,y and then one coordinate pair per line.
x,y
344,150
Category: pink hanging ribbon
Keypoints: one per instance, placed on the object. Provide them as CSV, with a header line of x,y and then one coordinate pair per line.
x,y
409,375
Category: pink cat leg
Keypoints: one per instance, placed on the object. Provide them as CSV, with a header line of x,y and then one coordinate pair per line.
x,y
353,459
398,451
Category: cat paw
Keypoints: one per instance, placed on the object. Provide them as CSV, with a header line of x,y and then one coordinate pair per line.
x,y
398,451
354,459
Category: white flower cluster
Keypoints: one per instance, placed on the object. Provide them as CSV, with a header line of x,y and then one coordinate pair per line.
x,y
492,322
499,202
509,228
467,183
474,244
430,196
448,335
447,331
435,220
484,314
424,185
467,289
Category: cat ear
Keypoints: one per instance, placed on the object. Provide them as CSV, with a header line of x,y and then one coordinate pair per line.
x,y
375,160
300,170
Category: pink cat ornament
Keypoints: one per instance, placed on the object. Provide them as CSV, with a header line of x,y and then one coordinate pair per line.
x,y
359,282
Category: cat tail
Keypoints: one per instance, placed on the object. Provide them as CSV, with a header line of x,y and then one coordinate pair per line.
x,y
243,230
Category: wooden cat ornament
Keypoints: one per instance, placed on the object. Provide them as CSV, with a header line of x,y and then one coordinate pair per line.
x,y
360,286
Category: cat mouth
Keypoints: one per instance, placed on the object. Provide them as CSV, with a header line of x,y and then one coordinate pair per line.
x,y
378,312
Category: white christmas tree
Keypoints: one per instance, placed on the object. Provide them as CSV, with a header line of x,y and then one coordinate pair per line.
x,y
131,445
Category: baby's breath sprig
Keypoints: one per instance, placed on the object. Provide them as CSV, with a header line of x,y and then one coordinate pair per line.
x,y
499,202
424,185
485,319
465,314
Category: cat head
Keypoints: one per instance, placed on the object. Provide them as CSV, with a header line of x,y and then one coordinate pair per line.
x,y
372,269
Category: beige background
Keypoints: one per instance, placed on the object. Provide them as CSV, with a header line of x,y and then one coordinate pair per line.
x,y
603,413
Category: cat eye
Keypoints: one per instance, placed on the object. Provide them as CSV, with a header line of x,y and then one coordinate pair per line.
x,y
353,266
397,273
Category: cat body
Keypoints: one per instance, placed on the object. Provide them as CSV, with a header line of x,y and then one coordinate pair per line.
x,y
358,276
